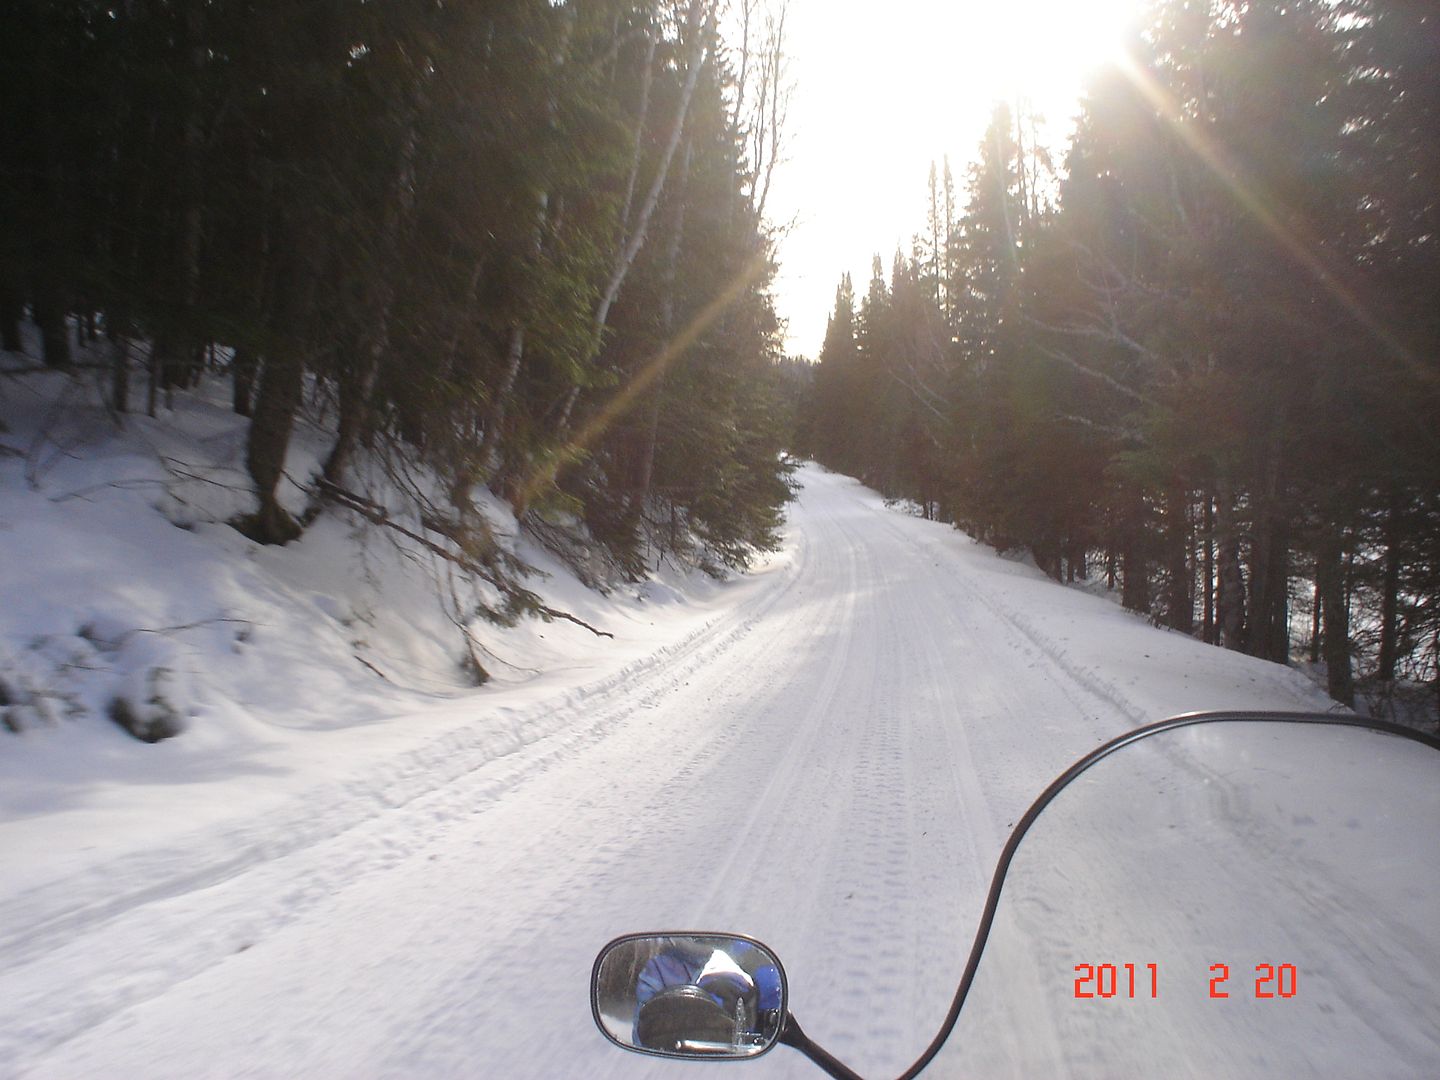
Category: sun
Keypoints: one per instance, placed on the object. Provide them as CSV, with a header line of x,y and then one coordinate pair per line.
x,y
1038,49
883,91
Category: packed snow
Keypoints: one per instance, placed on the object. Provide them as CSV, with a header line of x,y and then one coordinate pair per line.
x,y
351,864
1271,907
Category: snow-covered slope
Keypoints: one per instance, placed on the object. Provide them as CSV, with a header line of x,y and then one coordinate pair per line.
x,y
334,874
297,675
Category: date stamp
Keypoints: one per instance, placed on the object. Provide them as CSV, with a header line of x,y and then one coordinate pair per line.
x,y
1132,981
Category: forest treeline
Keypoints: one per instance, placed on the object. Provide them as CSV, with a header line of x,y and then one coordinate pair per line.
x,y
520,242
1201,355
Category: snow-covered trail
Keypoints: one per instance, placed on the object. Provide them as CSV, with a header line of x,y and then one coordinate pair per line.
x,y
831,766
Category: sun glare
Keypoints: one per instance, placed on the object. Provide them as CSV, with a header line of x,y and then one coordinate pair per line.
x,y
884,90
1041,49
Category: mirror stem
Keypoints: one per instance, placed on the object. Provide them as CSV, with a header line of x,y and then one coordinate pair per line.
x,y
791,1035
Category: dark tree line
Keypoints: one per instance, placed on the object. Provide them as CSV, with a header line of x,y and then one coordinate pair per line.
x,y
520,242
1209,368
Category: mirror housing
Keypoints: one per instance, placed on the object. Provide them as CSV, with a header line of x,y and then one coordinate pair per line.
x,y
689,995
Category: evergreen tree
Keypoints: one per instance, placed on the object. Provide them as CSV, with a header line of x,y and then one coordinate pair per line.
x,y
418,219
1212,367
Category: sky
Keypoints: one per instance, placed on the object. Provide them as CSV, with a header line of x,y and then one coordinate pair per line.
x,y
880,91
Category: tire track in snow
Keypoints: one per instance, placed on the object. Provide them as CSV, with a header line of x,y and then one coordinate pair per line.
x,y
502,732
980,792
851,740
1023,630
140,943
798,747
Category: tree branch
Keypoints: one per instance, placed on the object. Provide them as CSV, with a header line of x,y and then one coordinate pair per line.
x,y
378,515
1110,381
553,613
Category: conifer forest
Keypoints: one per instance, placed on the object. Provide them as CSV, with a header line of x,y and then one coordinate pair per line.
x,y
1197,355
518,243
523,245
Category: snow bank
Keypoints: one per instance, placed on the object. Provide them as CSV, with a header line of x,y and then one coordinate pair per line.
x,y
128,602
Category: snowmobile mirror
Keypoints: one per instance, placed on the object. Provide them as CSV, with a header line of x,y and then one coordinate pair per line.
x,y
689,995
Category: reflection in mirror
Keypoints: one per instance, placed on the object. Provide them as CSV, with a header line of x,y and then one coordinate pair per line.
x,y
689,995
1232,899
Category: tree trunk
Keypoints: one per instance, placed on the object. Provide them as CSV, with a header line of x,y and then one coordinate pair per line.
x,y
180,365
1268,630
1135,569
166,367
1390,594
246,360
1230,600
637,140
1269,625
952,307
501,477
1180,589
281,384
355,389
152,391
1435,650
1208,628
120,376
243,368
12,309
1330,585
1020,171
193,136
650,434
54,331
1135,580
630,247
514,357
357,377
1134,575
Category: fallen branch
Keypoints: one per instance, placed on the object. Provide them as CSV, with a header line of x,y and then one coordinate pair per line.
x,y
89,633
377,515
187,626
119,485
371,666
552,613
181,469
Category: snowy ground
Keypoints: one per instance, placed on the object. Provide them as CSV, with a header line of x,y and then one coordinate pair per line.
x,y
826,754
